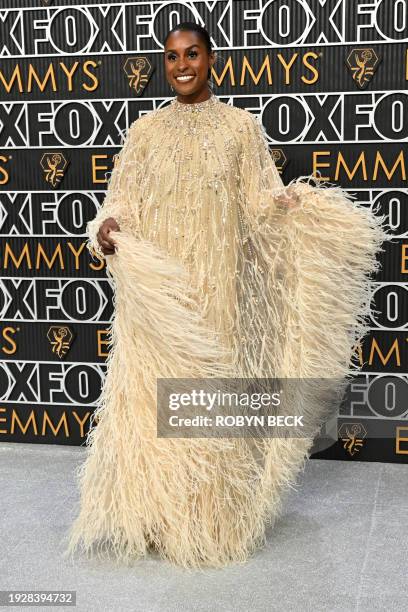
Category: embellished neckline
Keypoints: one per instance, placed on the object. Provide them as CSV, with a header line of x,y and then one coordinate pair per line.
x,y
194,107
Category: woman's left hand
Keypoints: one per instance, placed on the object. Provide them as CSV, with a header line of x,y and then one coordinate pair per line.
x,y
289,198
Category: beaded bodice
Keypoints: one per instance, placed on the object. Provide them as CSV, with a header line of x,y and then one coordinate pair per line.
x,y
192,178
195,107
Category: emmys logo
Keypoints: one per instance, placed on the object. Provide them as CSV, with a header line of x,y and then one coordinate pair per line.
x,y
54,165
362,64
138,71
279,158
352,435
60,338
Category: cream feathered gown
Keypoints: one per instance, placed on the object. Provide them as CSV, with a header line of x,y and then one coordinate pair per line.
x,y
213,277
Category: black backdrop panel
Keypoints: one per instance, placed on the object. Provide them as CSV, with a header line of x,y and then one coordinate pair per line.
x,y
67,97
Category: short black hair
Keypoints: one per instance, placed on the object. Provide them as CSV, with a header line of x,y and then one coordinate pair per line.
x,y
191,26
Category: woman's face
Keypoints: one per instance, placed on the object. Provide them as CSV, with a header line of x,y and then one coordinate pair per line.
x,y
186,54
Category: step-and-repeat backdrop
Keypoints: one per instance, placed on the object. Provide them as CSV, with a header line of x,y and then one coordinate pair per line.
x,y
329,81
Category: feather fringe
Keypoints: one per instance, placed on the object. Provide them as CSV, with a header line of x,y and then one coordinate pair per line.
x,y
206,502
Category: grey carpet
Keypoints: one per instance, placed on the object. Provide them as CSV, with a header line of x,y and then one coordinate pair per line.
x,y
340,545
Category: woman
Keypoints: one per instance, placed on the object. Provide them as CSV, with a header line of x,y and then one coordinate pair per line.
x,y
219,270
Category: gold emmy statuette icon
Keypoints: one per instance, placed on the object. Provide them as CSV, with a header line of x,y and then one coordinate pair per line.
x,y
54,166
352,435
138,71
279,158
362,64
60,337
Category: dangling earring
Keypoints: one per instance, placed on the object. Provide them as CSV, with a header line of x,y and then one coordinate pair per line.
x,y
171,87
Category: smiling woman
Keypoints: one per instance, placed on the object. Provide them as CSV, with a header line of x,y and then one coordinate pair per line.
x,y
219,271
188,61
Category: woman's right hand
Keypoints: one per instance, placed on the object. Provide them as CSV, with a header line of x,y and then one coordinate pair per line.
x,y
105,241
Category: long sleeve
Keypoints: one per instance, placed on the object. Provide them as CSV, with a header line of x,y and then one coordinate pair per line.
x,y
122,197
318,256
263,191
